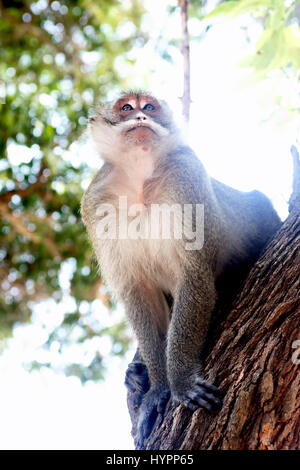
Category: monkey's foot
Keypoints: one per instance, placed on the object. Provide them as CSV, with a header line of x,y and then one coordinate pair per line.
x,y
136,378
199,393
154,403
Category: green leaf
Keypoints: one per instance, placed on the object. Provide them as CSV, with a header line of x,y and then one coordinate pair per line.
x,y
292,41
235,8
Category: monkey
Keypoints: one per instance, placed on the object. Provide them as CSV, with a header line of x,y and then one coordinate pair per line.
x,y
148,162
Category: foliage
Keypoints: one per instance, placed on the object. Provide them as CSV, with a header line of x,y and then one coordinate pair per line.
x,y
279,43
57,58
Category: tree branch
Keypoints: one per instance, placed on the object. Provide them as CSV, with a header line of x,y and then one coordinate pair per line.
x,y
5,197
185,48
23,230
295,197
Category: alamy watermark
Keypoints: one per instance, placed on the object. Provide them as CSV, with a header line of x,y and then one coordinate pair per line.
x,y
153,222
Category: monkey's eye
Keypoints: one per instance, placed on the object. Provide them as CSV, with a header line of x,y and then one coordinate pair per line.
x,y
127,107
149,107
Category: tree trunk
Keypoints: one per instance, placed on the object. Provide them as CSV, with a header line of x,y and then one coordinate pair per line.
x,y
252,358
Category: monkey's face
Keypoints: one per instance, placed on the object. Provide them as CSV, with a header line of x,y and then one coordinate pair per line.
x,y
135,119
141,117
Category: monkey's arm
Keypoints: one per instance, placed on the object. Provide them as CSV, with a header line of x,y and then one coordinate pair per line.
x,y
193,306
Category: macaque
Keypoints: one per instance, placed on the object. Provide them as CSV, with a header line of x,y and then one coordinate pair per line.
x,y
148,166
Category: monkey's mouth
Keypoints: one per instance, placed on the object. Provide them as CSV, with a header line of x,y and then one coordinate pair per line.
x,y
140,126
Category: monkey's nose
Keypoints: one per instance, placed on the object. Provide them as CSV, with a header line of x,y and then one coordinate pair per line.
x,y
141,117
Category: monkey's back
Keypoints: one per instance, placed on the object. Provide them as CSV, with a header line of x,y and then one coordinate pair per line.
x,y
249,221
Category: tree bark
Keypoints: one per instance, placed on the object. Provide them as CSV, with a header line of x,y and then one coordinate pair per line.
x,y
252,357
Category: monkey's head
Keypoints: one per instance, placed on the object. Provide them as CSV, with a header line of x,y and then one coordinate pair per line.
x,y
134,119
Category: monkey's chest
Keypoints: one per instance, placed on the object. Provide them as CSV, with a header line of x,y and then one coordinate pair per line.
x,y
136,234
135,242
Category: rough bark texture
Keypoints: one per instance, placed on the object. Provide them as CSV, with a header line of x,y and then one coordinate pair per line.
x,y
252,359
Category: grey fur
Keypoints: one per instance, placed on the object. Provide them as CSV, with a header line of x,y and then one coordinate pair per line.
x,y
237,226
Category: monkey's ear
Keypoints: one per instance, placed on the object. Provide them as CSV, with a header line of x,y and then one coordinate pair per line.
x,y
92,119
93,114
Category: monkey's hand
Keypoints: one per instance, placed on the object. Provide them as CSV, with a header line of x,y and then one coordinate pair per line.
x,y
136,378
197,392
154,403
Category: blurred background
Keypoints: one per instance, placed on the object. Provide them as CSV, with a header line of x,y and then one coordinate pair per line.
x,y
64,343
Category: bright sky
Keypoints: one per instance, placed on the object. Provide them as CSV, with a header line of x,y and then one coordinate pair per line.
x,y
46,410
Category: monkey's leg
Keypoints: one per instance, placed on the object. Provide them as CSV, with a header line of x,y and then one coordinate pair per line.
x,y
187,333
136,376
148,313
137,382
